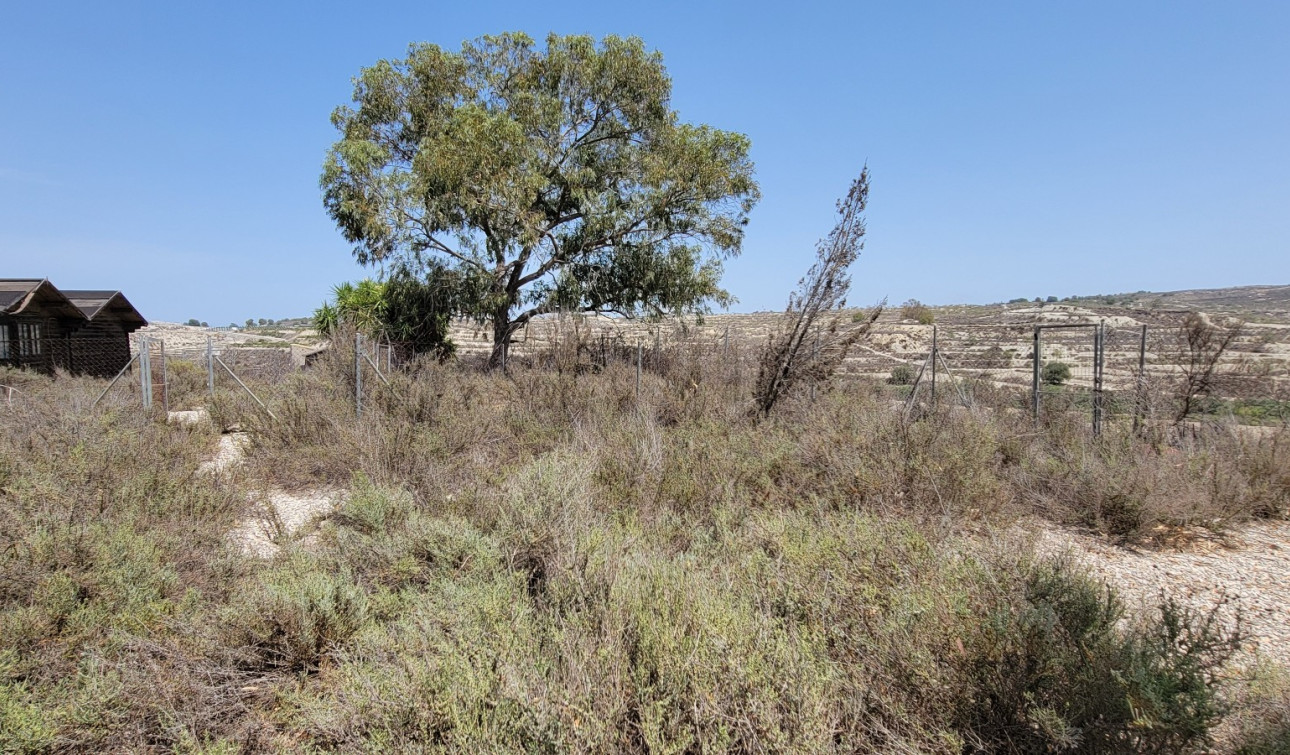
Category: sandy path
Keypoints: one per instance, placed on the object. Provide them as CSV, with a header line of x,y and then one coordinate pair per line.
x,y
278,515
281,516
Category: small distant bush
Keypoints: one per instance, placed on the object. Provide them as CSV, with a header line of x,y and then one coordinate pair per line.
x,y
1055,373
901,374
187,384
1051,299
193,321
918,312
994,357
1018,300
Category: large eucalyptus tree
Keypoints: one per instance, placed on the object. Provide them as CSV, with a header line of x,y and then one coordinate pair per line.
x,y
529,180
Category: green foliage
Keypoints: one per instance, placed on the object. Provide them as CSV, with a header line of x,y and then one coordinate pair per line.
x,y
407,310
24,726
544,178
326,318
361,305
1055,373
418,312
1053,673
193,322
915,310
901,374
1262,722
294,615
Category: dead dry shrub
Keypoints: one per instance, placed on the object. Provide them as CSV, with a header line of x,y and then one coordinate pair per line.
x,y
1202,344
814,337
1126,488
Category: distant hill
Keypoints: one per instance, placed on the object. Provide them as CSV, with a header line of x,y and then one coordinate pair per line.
x,y
1257,303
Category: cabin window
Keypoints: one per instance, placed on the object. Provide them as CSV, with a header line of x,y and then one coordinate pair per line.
x,y
29,342
5,352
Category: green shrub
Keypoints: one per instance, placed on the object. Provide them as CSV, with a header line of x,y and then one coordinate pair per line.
x,y
1055,373
915,310
901,374
24,726
1050,671
294,615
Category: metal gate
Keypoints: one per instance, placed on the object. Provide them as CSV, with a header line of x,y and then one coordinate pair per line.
x,y
1069,358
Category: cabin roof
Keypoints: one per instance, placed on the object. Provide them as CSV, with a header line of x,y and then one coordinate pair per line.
x,y
96,304
17,295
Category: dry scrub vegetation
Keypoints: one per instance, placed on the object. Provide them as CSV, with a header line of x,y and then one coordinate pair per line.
x,y
539,562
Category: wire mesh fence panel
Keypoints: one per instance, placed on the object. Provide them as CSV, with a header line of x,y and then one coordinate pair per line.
x,y
979,360
994,353
153,374
1124,355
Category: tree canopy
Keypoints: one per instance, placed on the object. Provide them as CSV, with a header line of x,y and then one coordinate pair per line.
x,y
532,180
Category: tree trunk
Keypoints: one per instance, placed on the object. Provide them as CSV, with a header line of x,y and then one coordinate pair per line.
x,y
503,329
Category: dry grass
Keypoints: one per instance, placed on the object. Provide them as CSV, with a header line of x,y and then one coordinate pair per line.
x,y
541,561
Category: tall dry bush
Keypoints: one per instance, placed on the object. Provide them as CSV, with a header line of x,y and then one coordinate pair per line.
x,y
1202,346
815,338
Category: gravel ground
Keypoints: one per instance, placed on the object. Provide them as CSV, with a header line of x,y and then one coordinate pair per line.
x,y
1249,567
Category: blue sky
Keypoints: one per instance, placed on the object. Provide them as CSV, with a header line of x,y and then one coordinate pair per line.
x,y
172,150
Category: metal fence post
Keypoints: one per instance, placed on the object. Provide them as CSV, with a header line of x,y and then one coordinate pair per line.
x,y
165,380
1099,343
1034,383
640,353
210,365
358,374
1140,401
933,365
145,373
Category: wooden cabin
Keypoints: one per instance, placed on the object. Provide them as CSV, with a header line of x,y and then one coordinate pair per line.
x,y
83,332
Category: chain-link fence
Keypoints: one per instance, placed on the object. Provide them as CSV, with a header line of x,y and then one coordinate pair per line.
x,y
1114,368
